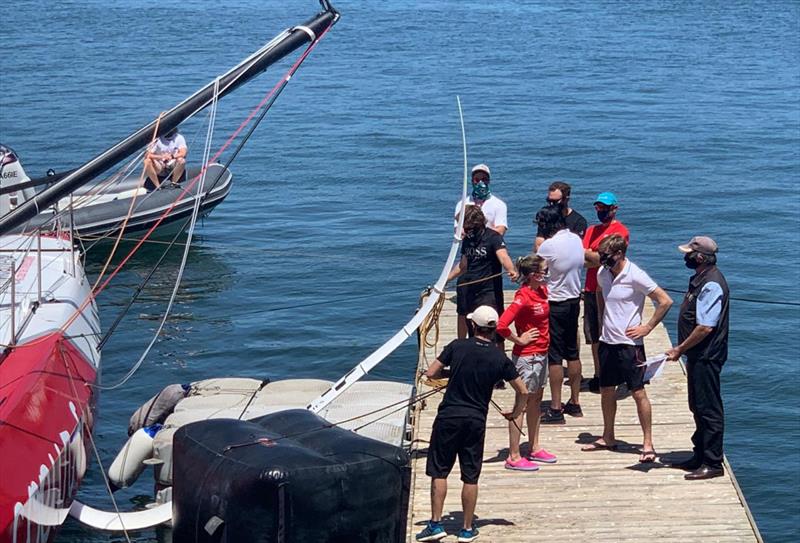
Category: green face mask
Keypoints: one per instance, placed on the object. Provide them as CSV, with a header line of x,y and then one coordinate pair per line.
x,y
481,191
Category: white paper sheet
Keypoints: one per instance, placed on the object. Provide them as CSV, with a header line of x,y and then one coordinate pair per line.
x,y
653,366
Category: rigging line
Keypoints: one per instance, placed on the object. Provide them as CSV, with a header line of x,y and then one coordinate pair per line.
x,y
739,299
64,355
268,100
194,181
405,405
130,210
141,286
190,232
89,299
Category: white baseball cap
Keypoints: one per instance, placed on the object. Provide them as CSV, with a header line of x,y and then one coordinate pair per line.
x,y
485,316
481,168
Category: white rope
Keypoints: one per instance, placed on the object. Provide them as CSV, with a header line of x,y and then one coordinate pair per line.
x,y
190,232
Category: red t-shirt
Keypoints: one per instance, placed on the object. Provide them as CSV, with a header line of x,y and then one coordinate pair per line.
x,y
591,240
528,310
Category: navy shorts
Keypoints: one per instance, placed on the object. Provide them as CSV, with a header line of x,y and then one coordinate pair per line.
x,y
619,364
451,437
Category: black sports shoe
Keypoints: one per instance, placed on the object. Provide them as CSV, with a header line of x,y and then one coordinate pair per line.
x,y
553,416
572,409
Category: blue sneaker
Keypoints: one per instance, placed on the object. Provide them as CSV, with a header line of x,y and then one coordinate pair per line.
x,y
432,532
465,536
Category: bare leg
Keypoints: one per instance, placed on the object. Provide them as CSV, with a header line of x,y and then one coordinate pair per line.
x,y
438,494
462,326
608,403
644,409
574,369
177,171
469,497
556,382
534,401
532,411
151,169
596,358
514,437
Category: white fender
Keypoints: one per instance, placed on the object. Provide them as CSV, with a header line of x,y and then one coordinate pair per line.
x,y
129,463
113,521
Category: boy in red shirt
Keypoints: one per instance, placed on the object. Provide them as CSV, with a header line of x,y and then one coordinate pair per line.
x,y
530,314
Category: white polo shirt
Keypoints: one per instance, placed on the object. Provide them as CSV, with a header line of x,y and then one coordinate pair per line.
x,y
564,255
624,301
494,209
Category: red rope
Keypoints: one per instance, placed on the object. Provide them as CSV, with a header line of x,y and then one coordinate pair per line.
x,y
244,123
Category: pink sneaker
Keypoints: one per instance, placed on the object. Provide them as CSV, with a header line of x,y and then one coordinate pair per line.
x,y
543,456
523,464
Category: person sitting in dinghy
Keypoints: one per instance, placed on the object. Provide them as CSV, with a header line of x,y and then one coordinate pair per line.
x,y
165,158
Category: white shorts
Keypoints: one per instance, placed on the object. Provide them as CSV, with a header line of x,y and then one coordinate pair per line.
x,y
532,369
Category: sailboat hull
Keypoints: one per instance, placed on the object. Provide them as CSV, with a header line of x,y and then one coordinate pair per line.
x,y
47,397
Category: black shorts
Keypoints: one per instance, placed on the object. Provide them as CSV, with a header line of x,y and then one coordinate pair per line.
x,y
564,330
461,436
618,364
591,320
470,298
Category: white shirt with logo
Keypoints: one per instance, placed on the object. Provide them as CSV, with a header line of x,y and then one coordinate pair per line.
x,y
564,255
624,301
494,209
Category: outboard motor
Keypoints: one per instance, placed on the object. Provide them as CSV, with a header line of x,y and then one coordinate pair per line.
x,y
11,174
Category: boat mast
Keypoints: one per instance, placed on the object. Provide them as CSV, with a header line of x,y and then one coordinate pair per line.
x,y
234,78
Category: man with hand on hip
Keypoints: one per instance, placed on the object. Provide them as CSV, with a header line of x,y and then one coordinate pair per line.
x,y
623,287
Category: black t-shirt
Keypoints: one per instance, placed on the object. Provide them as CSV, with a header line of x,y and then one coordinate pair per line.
x,y
475,367
575,223
481,254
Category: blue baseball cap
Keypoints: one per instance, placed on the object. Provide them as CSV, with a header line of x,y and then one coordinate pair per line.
x,y
606,198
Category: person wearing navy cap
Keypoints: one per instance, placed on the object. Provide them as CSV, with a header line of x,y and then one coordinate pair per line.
x,y
703,340
606,206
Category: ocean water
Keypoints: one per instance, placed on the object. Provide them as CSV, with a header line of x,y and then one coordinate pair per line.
x,y
341,207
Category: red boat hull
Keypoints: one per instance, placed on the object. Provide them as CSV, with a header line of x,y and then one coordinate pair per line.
x,y
46,416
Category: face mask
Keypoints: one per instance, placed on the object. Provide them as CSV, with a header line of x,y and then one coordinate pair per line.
x,y
608,261
474,234
690,261
604,215
481,191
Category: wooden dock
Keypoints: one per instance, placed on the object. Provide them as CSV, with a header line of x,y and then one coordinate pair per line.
x,y
587,496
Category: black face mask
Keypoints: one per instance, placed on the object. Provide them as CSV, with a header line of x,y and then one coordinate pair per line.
x,y
608,260
690,261
604,215
475,233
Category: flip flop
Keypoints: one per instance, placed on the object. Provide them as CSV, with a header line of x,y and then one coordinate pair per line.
x,y
597,446
647,457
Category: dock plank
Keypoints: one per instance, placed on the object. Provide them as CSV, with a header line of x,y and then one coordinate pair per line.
x,y
601,495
